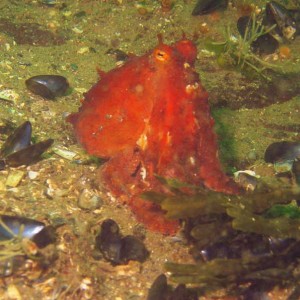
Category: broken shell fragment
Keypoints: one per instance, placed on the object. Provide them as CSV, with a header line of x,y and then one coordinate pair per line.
x,y
48,86
247,179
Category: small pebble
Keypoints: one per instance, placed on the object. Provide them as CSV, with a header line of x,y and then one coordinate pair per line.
x,y
32,175
88,200
252,155
13,293
83,50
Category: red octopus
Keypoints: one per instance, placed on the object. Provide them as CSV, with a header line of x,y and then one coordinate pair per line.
x,y
151,117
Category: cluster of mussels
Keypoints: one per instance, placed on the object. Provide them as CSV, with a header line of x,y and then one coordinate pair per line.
x,y
119,249
18,150
284,24
22,237
281,24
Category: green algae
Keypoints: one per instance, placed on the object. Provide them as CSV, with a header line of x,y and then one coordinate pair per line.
x,y
266,212
291,211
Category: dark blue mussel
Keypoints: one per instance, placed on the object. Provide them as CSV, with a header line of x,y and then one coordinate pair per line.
x,y
265,44
17,141
48,86
283,19
38,232
284,24
118,249
282,151
160,290
28,155
207,6
18,150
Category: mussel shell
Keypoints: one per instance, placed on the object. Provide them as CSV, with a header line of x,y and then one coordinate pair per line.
x,y
242,24
234,245
207,6
159,288
265,44
295,14
133,249
119,54
45,237
18,140
118,249
28,155
16,224
36,231
108,241
48,86
279,15
282,151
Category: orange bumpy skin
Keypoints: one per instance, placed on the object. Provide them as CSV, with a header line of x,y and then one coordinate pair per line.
x,y
151,116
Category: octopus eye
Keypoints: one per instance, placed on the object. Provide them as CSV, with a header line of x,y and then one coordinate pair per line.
x,y
161,55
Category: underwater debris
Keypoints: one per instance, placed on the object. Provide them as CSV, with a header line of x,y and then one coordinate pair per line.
x,y
17,150
48,86
118,249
